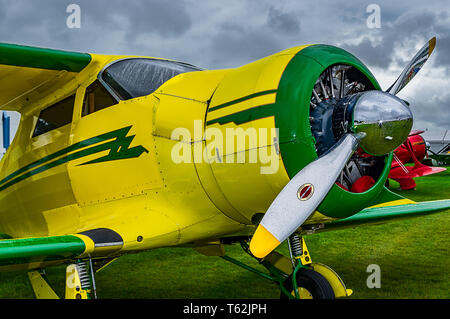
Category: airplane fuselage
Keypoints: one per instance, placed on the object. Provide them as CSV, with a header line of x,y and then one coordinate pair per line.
x,y
150,168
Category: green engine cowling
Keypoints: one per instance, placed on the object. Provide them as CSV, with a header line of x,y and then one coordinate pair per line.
x,y
297,143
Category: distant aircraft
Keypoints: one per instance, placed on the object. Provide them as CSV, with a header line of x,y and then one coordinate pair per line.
x,y
94,171
440,155
413,150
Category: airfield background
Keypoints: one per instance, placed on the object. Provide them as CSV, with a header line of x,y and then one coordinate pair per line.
x,y
14,119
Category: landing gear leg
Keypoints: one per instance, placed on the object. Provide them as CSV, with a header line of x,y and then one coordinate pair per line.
x,y
40,285
297,277
277,265
304,283
311,280
80,284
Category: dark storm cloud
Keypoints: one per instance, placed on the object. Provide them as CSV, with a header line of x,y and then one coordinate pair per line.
x,y
428,107
22,20
370,53
283,21
44,22
166,18
418,25
235,44
443,39
231,47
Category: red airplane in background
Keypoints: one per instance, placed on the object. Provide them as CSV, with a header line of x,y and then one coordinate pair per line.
x,y
413,150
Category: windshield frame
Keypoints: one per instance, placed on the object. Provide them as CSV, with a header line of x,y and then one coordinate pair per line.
x,y
113,92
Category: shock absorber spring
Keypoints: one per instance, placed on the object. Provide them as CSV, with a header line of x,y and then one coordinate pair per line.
x,y
295,248
295,245
84,276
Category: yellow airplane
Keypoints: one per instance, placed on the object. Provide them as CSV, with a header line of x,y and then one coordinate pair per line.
x,y
120,154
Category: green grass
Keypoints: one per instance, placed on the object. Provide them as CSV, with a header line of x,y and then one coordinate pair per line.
x,y
413,255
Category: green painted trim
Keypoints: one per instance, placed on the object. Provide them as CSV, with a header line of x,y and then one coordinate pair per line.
x,y
26,250
40,58
119,149
385,196
389,213
255,113
354,202
242,99
297,143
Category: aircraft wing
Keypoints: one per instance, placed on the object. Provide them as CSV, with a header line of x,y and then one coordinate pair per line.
x,y
26,72
40,252
26,252
415,171
387,212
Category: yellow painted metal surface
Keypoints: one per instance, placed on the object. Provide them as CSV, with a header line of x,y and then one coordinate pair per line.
x,y
41,288
210,248
280,261
305,258
33,83
404,201
244,190
261,75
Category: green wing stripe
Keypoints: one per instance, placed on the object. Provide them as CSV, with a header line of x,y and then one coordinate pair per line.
x,y
32,57
378,215
26,250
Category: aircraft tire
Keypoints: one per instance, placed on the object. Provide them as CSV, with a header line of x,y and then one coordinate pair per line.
x,y
314,285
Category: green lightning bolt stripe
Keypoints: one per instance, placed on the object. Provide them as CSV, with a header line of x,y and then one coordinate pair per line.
x,y
119,149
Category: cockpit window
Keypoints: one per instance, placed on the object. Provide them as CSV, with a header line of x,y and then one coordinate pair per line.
x,y
130,78
96,98
55,116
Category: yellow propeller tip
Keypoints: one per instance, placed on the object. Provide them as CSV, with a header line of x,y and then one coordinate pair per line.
x,y
432,45
263,242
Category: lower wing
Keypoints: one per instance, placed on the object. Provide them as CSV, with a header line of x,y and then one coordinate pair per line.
x,y
387,212
40,252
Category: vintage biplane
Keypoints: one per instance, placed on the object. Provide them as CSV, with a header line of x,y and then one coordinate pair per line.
x,y
90,174
413,150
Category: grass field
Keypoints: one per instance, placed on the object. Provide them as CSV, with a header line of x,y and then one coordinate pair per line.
x,y
414,257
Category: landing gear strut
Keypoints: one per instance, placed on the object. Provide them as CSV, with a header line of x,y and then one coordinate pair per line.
x,y
304,282
80,282
297,277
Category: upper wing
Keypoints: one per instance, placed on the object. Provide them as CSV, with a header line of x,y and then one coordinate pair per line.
x,y
26,72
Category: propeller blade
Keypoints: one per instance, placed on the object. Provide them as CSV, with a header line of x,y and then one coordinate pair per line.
x,y
301,196
413,67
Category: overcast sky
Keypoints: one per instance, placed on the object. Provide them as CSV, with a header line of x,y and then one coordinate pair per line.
x,y
229,33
